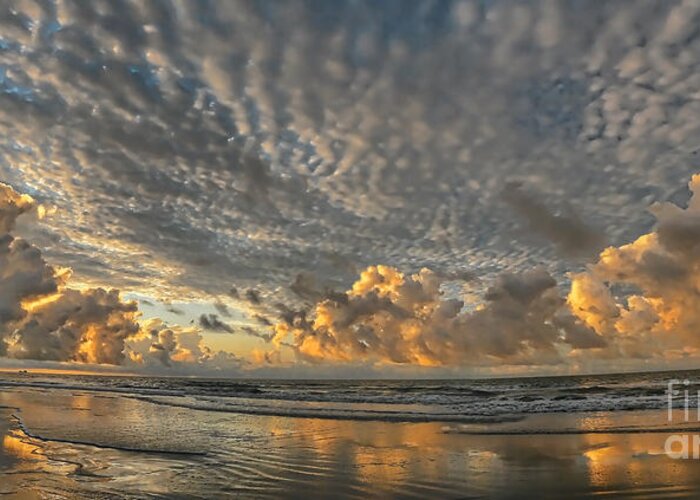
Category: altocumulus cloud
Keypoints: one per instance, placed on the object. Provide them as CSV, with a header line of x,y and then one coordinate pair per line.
x,y
210,144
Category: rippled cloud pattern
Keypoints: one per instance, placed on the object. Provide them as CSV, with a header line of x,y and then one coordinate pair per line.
x,y
193,146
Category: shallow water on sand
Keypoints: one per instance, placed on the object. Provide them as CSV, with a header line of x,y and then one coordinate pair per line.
x,y
82,444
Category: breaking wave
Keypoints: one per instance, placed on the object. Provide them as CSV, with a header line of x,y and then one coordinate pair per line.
x,y
456,401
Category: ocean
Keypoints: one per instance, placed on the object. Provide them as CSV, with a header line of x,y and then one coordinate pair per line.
x,y
465,401
84,436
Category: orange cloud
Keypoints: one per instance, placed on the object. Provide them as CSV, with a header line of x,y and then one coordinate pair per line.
x,y
394,318
42,318
660,313
637,301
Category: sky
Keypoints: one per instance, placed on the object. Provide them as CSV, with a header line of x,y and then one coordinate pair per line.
x,y
313,188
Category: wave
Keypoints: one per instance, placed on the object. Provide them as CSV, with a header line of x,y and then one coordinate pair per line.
x,y
88,387
335,413
460,401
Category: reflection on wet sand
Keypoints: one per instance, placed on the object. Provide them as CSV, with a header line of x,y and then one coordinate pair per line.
x,y
13,445
19,460
272,456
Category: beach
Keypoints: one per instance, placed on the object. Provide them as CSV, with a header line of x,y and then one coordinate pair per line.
x,y
75,443
349,249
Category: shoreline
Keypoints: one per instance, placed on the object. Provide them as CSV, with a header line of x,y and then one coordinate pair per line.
x,y
90,445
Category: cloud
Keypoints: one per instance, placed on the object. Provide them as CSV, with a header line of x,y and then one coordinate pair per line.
x,y
213,323
658,315
42,318
175,310
571,235
253,296
222,309
24,276
12,205
637,301
262,320
180,350
404,319
88,326
270,357
185,153
305,286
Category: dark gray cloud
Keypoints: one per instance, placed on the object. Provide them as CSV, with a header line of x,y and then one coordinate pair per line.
x,y
262,320
253,296
211,322
571,235
222,309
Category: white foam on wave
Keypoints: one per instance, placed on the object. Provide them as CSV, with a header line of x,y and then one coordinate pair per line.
x,y
401,401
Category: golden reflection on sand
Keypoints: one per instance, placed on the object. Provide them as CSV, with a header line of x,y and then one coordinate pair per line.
x,y
632,460
364,457
12,444
387,457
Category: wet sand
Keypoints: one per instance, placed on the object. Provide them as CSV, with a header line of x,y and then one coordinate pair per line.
x,y
140,449
20,461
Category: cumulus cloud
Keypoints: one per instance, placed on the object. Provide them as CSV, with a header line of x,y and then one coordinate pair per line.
x,y
189,152
88,326
391,317
645,294
42,318
24,276
177,348
639,301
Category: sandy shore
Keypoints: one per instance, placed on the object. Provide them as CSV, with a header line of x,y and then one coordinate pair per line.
x,y
213,455
18,460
